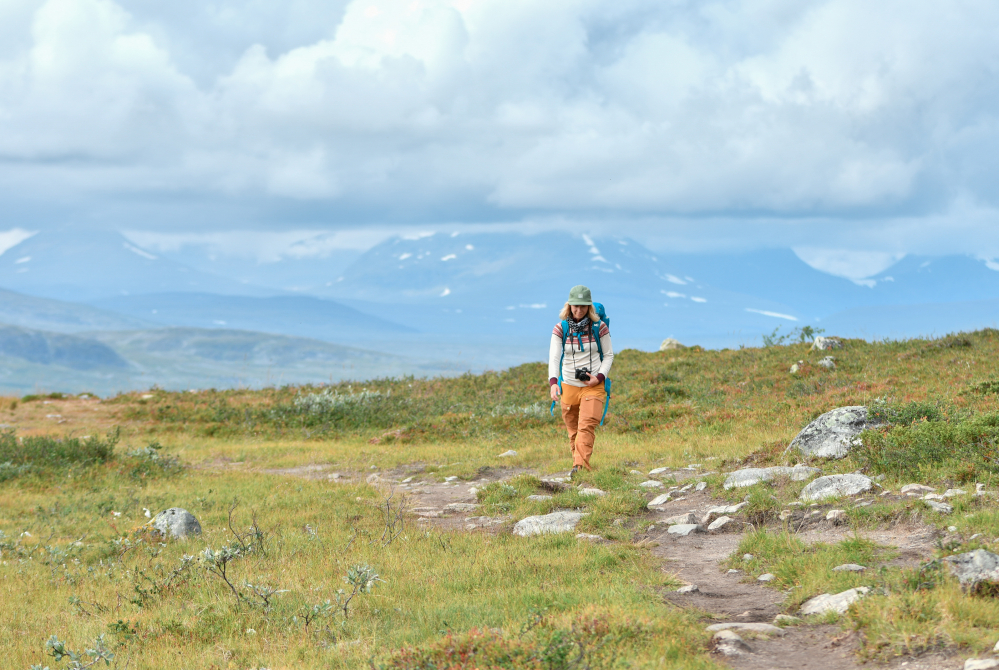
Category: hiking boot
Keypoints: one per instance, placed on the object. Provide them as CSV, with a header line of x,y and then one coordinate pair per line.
x,y
572,473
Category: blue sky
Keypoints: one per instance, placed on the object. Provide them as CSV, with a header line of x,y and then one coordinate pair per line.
x,y
850,130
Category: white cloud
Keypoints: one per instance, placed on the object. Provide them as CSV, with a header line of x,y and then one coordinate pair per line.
x,y
11,238
852,264
825,107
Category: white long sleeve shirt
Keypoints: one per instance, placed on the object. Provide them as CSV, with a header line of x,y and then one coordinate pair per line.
x,y
579,354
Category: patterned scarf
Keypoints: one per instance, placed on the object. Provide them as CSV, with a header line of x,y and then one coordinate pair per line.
x,y
581,326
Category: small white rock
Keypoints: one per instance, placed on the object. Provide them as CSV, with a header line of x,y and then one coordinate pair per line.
x,y
407,480
733,571
634,472
720,523
952,493
943,508
651,484
472,491
592,492
786,619
933,496
785,514
915,489
951,529
834,514
755,627
685,529
690,588
588,537
838,603
686,488
981,663
748,557
659,501
539,496
505,454
701,486
766,577
680,518
995,649
658,471
450,479
849,567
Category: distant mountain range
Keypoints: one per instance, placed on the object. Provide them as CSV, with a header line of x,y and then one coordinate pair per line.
x,y
431,304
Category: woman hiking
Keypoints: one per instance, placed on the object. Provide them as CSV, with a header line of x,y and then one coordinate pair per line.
x,y
580,380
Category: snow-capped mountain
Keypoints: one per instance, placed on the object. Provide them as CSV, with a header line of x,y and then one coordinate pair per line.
x,y
80,265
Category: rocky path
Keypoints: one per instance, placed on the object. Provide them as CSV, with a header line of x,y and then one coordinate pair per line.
x,y
696,559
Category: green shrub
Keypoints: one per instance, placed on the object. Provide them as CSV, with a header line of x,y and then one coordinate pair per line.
x,y
965,449
44,450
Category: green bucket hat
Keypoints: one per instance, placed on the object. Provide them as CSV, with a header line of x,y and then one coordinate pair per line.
x,y
580,295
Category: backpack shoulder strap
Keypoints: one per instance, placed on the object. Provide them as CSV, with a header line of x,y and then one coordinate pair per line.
x,y
600,347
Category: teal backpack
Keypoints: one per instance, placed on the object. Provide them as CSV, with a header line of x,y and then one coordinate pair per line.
x,y
602,313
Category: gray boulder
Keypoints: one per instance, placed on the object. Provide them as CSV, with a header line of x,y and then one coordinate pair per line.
x,y
556,522
974,567
685,529
669,344
753,627
832,434
834,486
176,523
750,476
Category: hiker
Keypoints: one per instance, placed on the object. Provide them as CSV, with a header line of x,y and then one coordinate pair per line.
x,y
578,366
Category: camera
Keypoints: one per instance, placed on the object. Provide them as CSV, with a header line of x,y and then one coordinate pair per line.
x,y
583,374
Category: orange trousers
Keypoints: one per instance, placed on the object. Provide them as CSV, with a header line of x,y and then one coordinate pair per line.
x,y
581,412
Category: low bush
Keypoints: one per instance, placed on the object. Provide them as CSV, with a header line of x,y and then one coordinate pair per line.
x,y
44,450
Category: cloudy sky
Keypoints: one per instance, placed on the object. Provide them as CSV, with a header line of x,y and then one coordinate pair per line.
x,y
834,126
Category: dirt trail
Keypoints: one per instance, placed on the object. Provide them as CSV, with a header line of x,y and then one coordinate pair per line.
x,y
694,559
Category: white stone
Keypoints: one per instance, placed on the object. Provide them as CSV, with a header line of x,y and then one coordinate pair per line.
x,y
974,567
915,489
450,479
176,523
979,489
588,537
701,486
721,523
685,529
995,649
592,492
658,501
505,454
849,567
943,508
838,603
828,362
952,493
750,476
658,471
634,472
690,588
785,514
825,343
407,480
669,344
651,484
748,557
679,518
795,367
539,496
556,522
766,577
727,509
981,663
755,627
832,434
933,496
834,486
472,491
834,514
